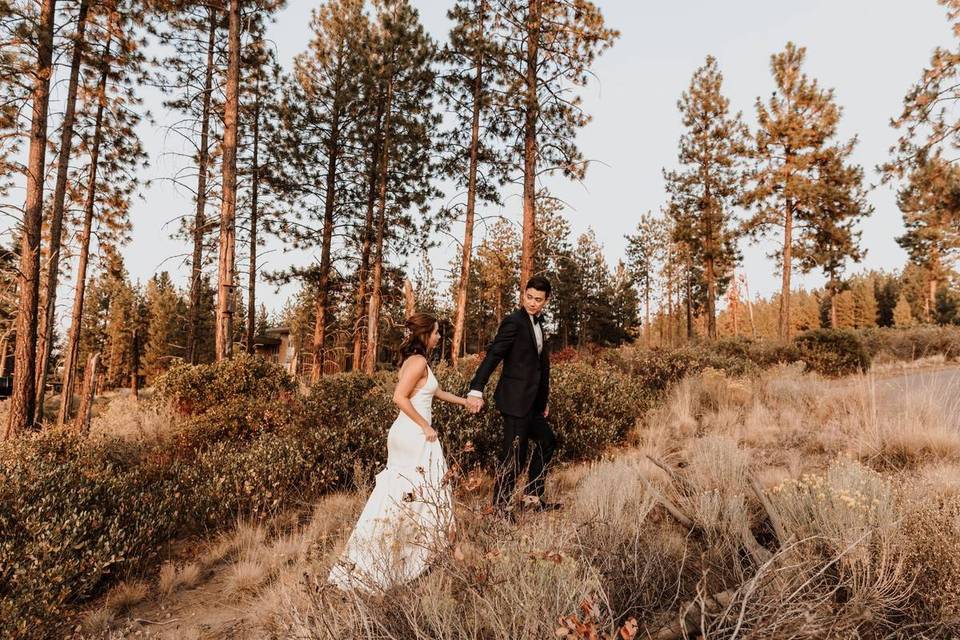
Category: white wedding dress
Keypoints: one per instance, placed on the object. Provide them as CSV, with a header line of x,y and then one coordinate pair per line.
x,y
410,510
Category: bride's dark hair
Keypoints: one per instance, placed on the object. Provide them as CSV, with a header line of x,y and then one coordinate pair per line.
x,y
416,339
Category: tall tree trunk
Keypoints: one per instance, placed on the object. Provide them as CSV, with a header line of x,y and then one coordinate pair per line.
x,y
784,328
670,318
228,210
746,293
689,305
710,274
323,296
135,365
467,251
23,399
254,213
200,217
373,307
73,337
363,272
646,309
82,422
711,278
531,118
833,309
49,299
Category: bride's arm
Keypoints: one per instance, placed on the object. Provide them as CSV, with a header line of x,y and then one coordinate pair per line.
x,y
446,396
411,371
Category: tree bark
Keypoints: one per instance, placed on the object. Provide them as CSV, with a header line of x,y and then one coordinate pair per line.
x,y
135,365
49,299
73,337
711,299
228,210
254,194
362,274
833,309
467,251
82,422
200,217
531,118
646,309
784,328
23,399
373,307
323,296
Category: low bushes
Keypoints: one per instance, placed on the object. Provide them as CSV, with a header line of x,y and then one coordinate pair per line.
x,y
833,352
76,514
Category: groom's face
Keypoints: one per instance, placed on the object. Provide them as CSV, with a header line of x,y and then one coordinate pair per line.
x,y
534,301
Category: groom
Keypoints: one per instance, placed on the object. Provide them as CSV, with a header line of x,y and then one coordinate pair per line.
x,y
521,396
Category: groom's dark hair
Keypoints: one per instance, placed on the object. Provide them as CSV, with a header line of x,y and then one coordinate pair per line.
x,y
540,284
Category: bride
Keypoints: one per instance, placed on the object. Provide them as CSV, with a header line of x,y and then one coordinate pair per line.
x,y
410,511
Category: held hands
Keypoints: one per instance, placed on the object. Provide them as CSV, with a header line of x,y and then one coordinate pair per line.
x,y
474,404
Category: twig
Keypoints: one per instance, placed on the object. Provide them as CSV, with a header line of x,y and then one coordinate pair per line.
x,y
674,510
772,513
157,622
666,469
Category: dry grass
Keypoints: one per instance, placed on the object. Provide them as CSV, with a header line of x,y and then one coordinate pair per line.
x,y
865,482
172,578
133,419
126,595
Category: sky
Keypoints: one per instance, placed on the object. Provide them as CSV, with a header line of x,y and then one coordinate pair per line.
x,y
869,51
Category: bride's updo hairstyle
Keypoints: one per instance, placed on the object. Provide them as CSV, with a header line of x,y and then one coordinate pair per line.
x,y
417,330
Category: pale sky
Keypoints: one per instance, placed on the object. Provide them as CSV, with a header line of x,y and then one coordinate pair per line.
x,y
869,51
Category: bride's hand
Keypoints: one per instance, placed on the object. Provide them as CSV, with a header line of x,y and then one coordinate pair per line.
x,y
430,434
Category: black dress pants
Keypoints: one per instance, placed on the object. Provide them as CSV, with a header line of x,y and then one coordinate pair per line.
x,y
517,434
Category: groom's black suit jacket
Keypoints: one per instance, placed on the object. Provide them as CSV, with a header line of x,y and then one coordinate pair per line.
x,y
524,385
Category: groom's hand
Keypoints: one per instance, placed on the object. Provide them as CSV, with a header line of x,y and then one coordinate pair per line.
x,y
474,404
546,411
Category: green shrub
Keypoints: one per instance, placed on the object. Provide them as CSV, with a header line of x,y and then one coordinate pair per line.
x,y
833,352
889,344
232,399
71,518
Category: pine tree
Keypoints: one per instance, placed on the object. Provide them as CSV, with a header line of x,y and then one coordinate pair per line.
x,y
260,78
192,81
864,302
705,188
887,293
902,316
226,280
497,274
472,64
928,121
113,153
404,78
549,47
48,298
319,149
165,336
930,202
23,399
645,252
626,306
797,166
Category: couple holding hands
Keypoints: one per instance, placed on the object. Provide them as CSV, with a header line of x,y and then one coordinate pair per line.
x,y
410,510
